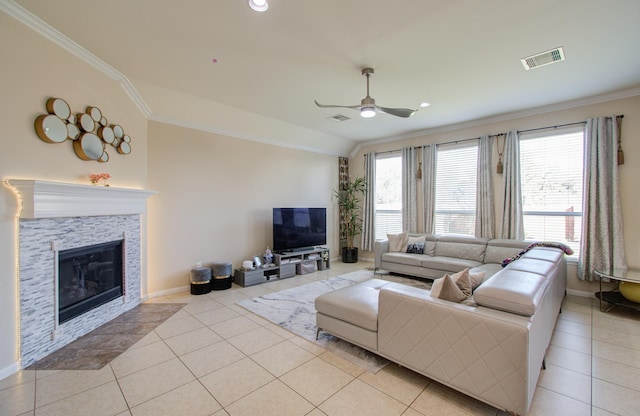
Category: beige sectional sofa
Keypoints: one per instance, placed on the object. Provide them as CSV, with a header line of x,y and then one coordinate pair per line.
x,y
491,347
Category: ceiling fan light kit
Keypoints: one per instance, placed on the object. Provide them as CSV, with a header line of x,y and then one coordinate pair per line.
x,y
259,5
368,107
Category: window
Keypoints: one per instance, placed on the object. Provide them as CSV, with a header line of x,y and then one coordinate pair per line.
x,y
388,195
456,189
551,166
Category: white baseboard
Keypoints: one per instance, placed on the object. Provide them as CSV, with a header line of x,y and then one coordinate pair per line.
x,y
10,370
168,292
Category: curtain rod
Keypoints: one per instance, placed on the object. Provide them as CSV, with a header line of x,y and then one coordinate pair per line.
x,y
497,134
561,125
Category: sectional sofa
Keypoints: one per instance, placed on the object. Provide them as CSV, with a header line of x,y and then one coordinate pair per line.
x,y
490,346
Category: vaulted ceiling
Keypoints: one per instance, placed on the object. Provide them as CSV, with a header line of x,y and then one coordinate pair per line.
x,y
220,66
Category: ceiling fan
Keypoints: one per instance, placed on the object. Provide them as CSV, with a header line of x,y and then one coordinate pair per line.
x,y
368,107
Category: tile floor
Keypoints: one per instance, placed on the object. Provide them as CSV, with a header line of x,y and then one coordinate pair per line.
x,y
215,358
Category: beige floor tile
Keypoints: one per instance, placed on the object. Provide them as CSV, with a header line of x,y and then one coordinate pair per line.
x,y
221,412
316,380
437,399
282,358
621,374
191,399
138,359
278,330
316,412
398,382
566,382
215,316
205,305
595,411
359,398
154,381
192,341
232,298
236,381
314,349
234,326
623,355
341,363
211,358
148,339
104,400
549,403
616,399
574,316
274,399
575,328
569,359
412,412
69,383
255,340
17,399
571,342
21,377
614,337
617,321
172,327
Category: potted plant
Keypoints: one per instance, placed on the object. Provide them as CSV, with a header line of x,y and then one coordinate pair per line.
x,y
349,202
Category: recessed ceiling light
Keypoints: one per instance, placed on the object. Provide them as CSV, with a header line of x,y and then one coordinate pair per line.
x,y
259,5
424,105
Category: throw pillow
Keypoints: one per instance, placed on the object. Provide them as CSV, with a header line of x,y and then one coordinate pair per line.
x,y
415,245
474,280
397,241
445,288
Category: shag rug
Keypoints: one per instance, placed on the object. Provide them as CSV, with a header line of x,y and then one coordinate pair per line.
x,y
294,310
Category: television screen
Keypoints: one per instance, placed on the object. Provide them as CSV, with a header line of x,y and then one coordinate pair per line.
x,y
299,228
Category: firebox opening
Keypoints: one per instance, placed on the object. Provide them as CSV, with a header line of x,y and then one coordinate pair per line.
x,y
88,277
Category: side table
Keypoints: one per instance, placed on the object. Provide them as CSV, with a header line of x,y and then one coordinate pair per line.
x,y
614,297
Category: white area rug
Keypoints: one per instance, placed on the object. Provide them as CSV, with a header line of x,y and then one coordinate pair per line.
x,y
294,310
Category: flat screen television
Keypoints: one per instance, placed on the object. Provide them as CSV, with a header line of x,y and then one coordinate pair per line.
x,y
299,228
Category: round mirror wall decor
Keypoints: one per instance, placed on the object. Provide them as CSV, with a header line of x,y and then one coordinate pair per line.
x,y
90,132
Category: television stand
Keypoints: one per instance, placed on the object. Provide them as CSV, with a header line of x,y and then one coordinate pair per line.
x,y
286,265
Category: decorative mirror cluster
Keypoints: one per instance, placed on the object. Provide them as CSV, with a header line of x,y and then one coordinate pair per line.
x,y
90,131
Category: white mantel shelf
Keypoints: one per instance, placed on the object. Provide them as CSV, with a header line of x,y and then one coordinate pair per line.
x,y
45,199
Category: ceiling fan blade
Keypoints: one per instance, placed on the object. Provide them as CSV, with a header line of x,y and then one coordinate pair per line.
x,y
399,112
354,107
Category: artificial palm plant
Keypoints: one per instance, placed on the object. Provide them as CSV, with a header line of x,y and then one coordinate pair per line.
x,y
350,204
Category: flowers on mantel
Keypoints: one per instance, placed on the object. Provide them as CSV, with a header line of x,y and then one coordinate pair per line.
x,y
96,178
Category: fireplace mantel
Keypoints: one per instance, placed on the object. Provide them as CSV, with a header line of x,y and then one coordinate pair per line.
x,y
45,199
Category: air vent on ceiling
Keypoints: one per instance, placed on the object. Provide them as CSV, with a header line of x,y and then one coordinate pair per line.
x,y
543,58
339,118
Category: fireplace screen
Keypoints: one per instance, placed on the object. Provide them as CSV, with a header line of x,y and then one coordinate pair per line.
x,y
88,277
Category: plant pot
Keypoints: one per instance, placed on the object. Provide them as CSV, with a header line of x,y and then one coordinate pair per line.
x,y
350,255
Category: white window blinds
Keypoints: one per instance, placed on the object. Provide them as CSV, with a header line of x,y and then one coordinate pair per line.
x,y
551,166
456,189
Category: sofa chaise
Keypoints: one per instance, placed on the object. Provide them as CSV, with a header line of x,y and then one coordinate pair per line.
x,y
490,346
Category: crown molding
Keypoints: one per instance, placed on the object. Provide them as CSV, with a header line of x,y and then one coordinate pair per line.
x,y
43,28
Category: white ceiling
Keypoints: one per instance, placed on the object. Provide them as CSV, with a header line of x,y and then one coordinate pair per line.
x,y
462,56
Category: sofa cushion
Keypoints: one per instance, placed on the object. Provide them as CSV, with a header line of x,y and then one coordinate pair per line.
x,y
447,264
462,247
513,291
541,267
446,288
500,249
543,253
397,242
356,304
408,259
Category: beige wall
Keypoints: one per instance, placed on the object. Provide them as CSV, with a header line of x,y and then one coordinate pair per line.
x,y
216,196
629,172
34,69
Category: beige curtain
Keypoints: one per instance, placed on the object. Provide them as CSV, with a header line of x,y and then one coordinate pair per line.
x,y
512,218
409,190
485,213
602,245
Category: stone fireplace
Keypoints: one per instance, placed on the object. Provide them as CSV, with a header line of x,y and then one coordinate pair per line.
x,y
62,231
